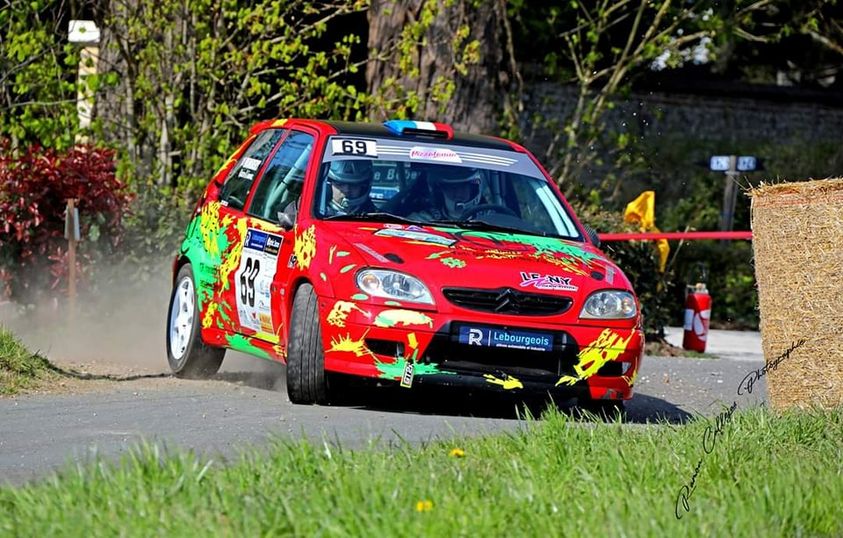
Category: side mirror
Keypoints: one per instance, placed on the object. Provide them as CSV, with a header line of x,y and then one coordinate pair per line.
x,y
592,235
285,221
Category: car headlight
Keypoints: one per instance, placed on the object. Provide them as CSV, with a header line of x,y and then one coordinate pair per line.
x,y
609,304
393,285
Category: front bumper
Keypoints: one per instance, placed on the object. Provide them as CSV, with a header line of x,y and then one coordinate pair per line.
x,y
415,348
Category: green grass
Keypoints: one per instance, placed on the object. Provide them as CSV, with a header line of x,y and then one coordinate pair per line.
x,y
19,367
766,476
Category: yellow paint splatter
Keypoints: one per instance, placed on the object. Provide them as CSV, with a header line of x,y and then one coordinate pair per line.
x,y
305,247
339,313
280,350
346,344
232,260
208,318
331,254
391,318
607,347
411,341
631,380
568,264
508,383
209,225
278,123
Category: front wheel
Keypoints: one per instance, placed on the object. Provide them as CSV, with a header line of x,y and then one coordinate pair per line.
x,y
187,354
306,382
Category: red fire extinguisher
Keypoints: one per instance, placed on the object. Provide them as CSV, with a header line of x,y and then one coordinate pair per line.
x,y
697,314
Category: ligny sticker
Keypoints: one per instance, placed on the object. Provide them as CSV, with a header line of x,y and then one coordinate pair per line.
x,y
547,282
253,280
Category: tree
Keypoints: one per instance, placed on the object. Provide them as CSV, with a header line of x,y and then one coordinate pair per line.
x,y
447,60
37,75
186,79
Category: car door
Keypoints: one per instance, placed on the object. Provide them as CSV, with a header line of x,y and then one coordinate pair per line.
x,y
267,243
232,222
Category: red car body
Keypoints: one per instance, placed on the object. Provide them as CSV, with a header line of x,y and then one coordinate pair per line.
x,y
506,312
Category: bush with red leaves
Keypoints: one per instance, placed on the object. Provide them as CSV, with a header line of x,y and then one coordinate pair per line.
x,y
34,188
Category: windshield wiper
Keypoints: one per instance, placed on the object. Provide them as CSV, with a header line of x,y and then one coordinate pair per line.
x,y
477,224
376,215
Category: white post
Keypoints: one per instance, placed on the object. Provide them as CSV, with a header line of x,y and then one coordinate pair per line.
x,y
86,34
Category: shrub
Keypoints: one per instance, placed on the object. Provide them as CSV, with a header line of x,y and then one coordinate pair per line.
x,y
34,188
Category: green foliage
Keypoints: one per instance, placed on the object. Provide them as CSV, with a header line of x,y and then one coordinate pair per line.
x,y
37,76
19,367
199,74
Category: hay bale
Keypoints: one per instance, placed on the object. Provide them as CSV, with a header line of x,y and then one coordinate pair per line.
x,y
797,240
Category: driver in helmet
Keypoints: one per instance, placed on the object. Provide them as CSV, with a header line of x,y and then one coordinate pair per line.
x,y
350,182
456,189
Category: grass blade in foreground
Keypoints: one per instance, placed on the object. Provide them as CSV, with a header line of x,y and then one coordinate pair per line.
x,y
766,476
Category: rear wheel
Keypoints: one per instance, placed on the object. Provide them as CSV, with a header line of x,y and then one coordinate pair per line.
x,y
188,355
306,380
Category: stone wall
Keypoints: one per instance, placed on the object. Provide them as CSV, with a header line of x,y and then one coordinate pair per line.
x,y
778,117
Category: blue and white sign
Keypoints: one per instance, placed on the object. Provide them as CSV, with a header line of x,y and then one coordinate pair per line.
x,y
508,338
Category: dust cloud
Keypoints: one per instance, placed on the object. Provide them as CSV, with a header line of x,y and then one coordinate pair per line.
x,y
118,327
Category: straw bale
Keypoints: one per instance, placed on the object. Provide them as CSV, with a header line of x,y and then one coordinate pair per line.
x,y
797,241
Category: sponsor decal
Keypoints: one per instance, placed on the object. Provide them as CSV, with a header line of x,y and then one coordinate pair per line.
x,y
371,252
434,154
416,236
514,339
245,174
547,282
353,146
253,279
251,164
407,376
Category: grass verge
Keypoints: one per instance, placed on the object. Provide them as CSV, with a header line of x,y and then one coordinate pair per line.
x,y
19,368
759,475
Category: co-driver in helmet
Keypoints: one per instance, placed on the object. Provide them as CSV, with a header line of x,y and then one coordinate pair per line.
x,y
350,182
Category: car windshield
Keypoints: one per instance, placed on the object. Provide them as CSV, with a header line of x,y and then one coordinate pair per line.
x,y
388,180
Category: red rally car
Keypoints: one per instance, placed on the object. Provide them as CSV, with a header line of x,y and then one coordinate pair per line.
x,y
404,252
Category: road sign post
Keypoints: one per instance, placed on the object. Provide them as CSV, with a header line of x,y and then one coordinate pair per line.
x,y
731,166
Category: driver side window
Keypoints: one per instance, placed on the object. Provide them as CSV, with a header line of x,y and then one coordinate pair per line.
x,y
239,181
281,185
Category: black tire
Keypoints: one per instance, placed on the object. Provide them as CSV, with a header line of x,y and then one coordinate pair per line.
x,y
608,410
188,355
306,379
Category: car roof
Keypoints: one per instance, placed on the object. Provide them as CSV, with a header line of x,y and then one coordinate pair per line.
x,y
378,130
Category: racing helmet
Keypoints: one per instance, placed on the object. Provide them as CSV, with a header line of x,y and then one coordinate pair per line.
x,y
459,187
346,173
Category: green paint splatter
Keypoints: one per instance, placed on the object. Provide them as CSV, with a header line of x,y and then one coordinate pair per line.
x,y
241,343
348,268
542,245
360,297
323,277
392,303
395,370
438,254
453,263
342,254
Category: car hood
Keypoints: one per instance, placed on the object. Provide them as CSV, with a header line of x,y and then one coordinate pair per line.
x,y
455,257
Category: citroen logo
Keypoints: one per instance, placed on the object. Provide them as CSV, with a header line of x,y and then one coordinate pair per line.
x,y
503,300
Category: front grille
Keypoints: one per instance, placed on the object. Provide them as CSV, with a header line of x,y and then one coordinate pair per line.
x,y
508,301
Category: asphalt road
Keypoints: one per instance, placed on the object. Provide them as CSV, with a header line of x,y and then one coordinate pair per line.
x,y
241,410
